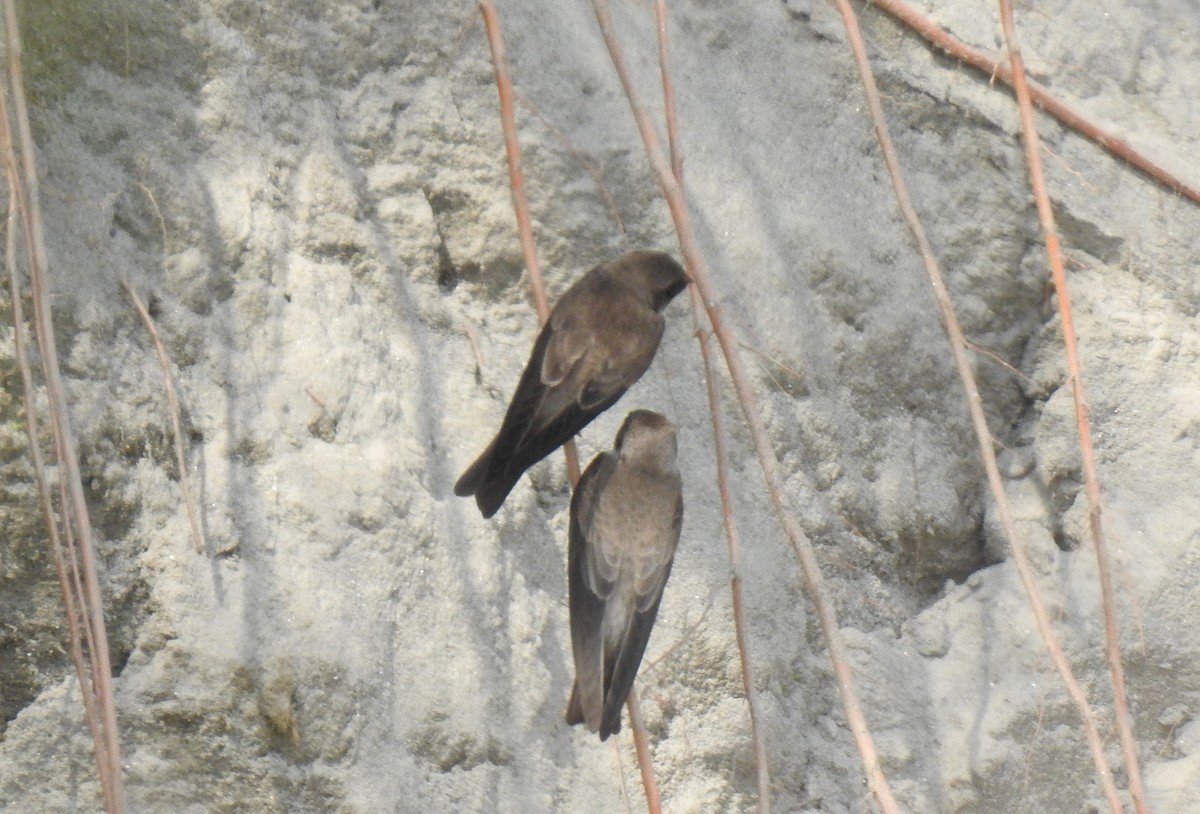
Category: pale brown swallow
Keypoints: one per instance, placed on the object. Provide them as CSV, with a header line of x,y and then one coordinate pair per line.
x,y
625,519
599,340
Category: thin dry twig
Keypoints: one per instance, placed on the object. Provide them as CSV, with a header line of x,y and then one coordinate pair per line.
x,y
642,746
1039,96
814,581
162,223
588,165
664,62
975,405
76,557
997,358
615,746
720,452
473,340
512,150
762,768
185,480
65,567
1075,375
791,371
516,181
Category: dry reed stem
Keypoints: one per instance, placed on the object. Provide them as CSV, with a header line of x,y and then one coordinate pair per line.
x,y
814,581
67,576
1075,376
642,745
185,480
762,768
975,405
516,182
672,119
512,151
491,23
762,772
1039,95
76,523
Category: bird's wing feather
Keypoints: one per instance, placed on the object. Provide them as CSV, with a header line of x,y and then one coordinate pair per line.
x,y
573,328
621,666
586,606
651,570
594,354
626,358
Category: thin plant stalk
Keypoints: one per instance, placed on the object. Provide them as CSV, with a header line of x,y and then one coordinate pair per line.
x,y
588,165
516,182
76,523
491,23
814,581
761,766
762,772
1041,97
67,574
185,481
975,406
641,745
1075,376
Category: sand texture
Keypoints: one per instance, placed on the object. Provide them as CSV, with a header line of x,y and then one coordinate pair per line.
x,y
315,197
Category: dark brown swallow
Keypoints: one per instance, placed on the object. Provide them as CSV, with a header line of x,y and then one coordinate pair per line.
x,y
599,340
625,518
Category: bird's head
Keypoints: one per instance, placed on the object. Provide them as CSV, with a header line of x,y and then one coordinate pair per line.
x,y
647,440
656,274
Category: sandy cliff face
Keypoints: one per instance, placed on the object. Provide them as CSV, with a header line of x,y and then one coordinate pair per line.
x,y
317,199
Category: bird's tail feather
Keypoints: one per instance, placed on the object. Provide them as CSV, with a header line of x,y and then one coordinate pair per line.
x,y
470,481
574,713
490,495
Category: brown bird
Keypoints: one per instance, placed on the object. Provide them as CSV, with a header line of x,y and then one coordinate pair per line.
x,y
599,340
625,518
